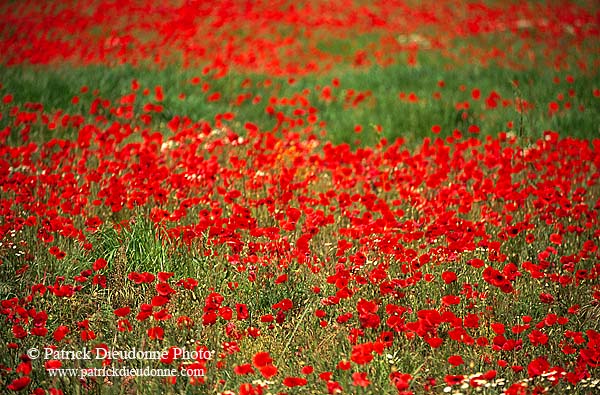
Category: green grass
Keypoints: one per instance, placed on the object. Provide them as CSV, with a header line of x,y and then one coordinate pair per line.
x,y
55,88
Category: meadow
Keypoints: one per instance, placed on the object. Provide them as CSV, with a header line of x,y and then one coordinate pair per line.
x,y
232,197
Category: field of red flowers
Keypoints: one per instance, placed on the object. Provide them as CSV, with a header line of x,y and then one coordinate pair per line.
x,y
179,214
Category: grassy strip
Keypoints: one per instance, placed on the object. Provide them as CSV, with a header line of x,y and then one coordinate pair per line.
x,y
393,102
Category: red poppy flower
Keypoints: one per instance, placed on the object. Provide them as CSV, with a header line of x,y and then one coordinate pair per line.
x,y
136,277
369,320
156,333
209,318
362,353
24,368
99,264
60,333
261,359
471,321
243,369
450,300
434,342
159,300
537,367
538,338
52,364
343,318
455,360
87,335
161,315
498,328
164,276
188,283
226,313
294,381
164,289
268,371
19,384
400,380
284,304
449,277
546,298
148,277
267,318
249,389
253,332
122,311
242,311
344,365
359,379
454,379
326,376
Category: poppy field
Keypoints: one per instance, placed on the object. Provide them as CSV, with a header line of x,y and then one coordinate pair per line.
x,y
273,197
